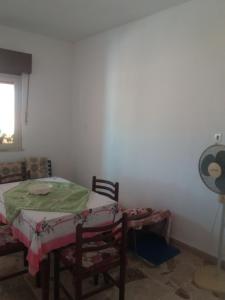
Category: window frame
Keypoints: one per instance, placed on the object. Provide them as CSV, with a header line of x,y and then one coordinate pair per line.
x,y
17,81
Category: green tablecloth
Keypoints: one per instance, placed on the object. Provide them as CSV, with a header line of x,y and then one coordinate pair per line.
x,y
63,197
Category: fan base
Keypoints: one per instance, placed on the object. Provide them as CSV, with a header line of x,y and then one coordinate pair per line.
x,y
210,278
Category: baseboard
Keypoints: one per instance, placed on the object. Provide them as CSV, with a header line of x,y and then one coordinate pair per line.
x,y
210,259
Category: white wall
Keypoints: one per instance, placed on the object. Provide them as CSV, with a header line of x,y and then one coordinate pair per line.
x,y
148,98
48,132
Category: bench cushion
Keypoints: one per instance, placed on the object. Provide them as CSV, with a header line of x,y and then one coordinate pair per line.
x,y
11,171
37,167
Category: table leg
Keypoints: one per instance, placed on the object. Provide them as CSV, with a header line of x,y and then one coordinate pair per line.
x,y
45,274
135,241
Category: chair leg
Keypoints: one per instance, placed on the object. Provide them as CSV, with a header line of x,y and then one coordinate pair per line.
x,y
78,288
122,282
25,262
56,277
38,280
96,279
38,277
106,280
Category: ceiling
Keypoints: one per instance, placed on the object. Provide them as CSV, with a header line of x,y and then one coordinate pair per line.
x,y
76,19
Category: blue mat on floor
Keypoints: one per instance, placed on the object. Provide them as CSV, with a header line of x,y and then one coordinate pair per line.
x,y
151,247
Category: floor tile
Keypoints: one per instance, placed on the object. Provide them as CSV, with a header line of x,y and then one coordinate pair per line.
x,y
170,281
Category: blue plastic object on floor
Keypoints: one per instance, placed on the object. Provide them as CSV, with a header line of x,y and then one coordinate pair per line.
x,y
151,247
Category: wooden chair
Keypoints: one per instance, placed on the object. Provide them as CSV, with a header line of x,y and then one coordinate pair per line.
x,y
9,245
106,188
90,256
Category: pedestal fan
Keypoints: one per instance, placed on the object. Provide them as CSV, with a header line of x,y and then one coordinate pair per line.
x,y
212,172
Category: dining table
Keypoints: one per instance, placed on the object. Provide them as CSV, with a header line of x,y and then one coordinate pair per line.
x,y
42,232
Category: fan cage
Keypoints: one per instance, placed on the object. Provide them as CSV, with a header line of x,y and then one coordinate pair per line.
x,y
207,151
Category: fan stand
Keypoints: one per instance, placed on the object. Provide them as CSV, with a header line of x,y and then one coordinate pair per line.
x,y
213,277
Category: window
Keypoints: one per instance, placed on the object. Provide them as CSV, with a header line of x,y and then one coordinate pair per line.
x,y
10,112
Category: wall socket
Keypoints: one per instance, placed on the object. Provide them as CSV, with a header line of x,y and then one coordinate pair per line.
x,y
218,137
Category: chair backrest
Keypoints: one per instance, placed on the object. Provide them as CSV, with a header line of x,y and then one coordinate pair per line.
x,y
102,238
49,168
106,188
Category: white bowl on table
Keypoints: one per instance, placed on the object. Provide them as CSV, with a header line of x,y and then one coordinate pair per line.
x,y
40,188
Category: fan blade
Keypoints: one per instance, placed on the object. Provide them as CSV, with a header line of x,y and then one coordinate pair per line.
x,y
205,164
220,159
220,184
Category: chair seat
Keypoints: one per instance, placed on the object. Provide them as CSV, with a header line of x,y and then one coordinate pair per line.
x,y
90,259
138,213
7,243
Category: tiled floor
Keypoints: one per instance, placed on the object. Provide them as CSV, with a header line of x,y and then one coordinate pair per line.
x,y
170,281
